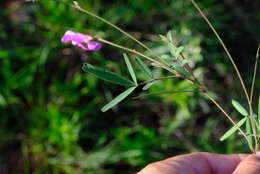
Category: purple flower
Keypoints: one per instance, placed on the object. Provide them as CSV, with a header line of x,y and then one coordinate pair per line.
x,y
81,40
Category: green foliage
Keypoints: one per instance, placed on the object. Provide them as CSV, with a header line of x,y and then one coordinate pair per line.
x,y
107,75
233,129
50,119
118,99
144,68
149,85
130,68
239,108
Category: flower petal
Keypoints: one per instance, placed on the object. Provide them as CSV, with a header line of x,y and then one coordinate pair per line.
x,y
68,36
79,38
94,46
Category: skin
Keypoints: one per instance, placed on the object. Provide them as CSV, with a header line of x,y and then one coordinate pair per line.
x,y
206,163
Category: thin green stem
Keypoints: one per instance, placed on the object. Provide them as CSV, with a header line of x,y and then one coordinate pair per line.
x,y
157,79
253,122
254,75
230,119
164,92
130,50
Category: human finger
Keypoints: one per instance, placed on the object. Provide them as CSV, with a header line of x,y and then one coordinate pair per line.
x,y
250,165
196,163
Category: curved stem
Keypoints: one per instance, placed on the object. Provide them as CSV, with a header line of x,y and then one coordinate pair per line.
x,y
254,75
251,96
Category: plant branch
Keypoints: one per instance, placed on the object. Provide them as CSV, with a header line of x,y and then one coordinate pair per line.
x,y
164,92
254,75
159,78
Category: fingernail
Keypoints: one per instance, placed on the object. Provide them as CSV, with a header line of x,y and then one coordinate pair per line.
x,y
258,155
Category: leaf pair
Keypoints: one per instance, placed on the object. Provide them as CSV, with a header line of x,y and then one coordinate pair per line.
x,y
175,51
117,79
243,112
114,78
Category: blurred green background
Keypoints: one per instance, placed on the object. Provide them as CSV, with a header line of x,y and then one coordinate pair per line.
x,y
50,118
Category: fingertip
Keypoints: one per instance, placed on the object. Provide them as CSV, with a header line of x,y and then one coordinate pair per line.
x,y
258,155
250,165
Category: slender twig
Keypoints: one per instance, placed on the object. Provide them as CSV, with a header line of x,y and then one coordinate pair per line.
x,y
130,50
165,92
254,75
159,78
254,124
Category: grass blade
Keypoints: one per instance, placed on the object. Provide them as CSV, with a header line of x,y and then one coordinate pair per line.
x,y
130,68
169,36
233,129
254,74
239,108
144,68
107,75
118,99
259,111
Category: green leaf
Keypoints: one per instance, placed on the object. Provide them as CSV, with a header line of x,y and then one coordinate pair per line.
x,y
175,51
239,108
148,85
166,57
169,36
176,66
172,49
144,68
185,61
178,51
163,38
130,68
233,129
118,99
107,75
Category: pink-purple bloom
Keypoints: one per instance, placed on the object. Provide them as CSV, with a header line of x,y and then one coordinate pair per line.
x,y
81,40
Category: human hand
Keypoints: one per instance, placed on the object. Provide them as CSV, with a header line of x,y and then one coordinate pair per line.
x,y
206,163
